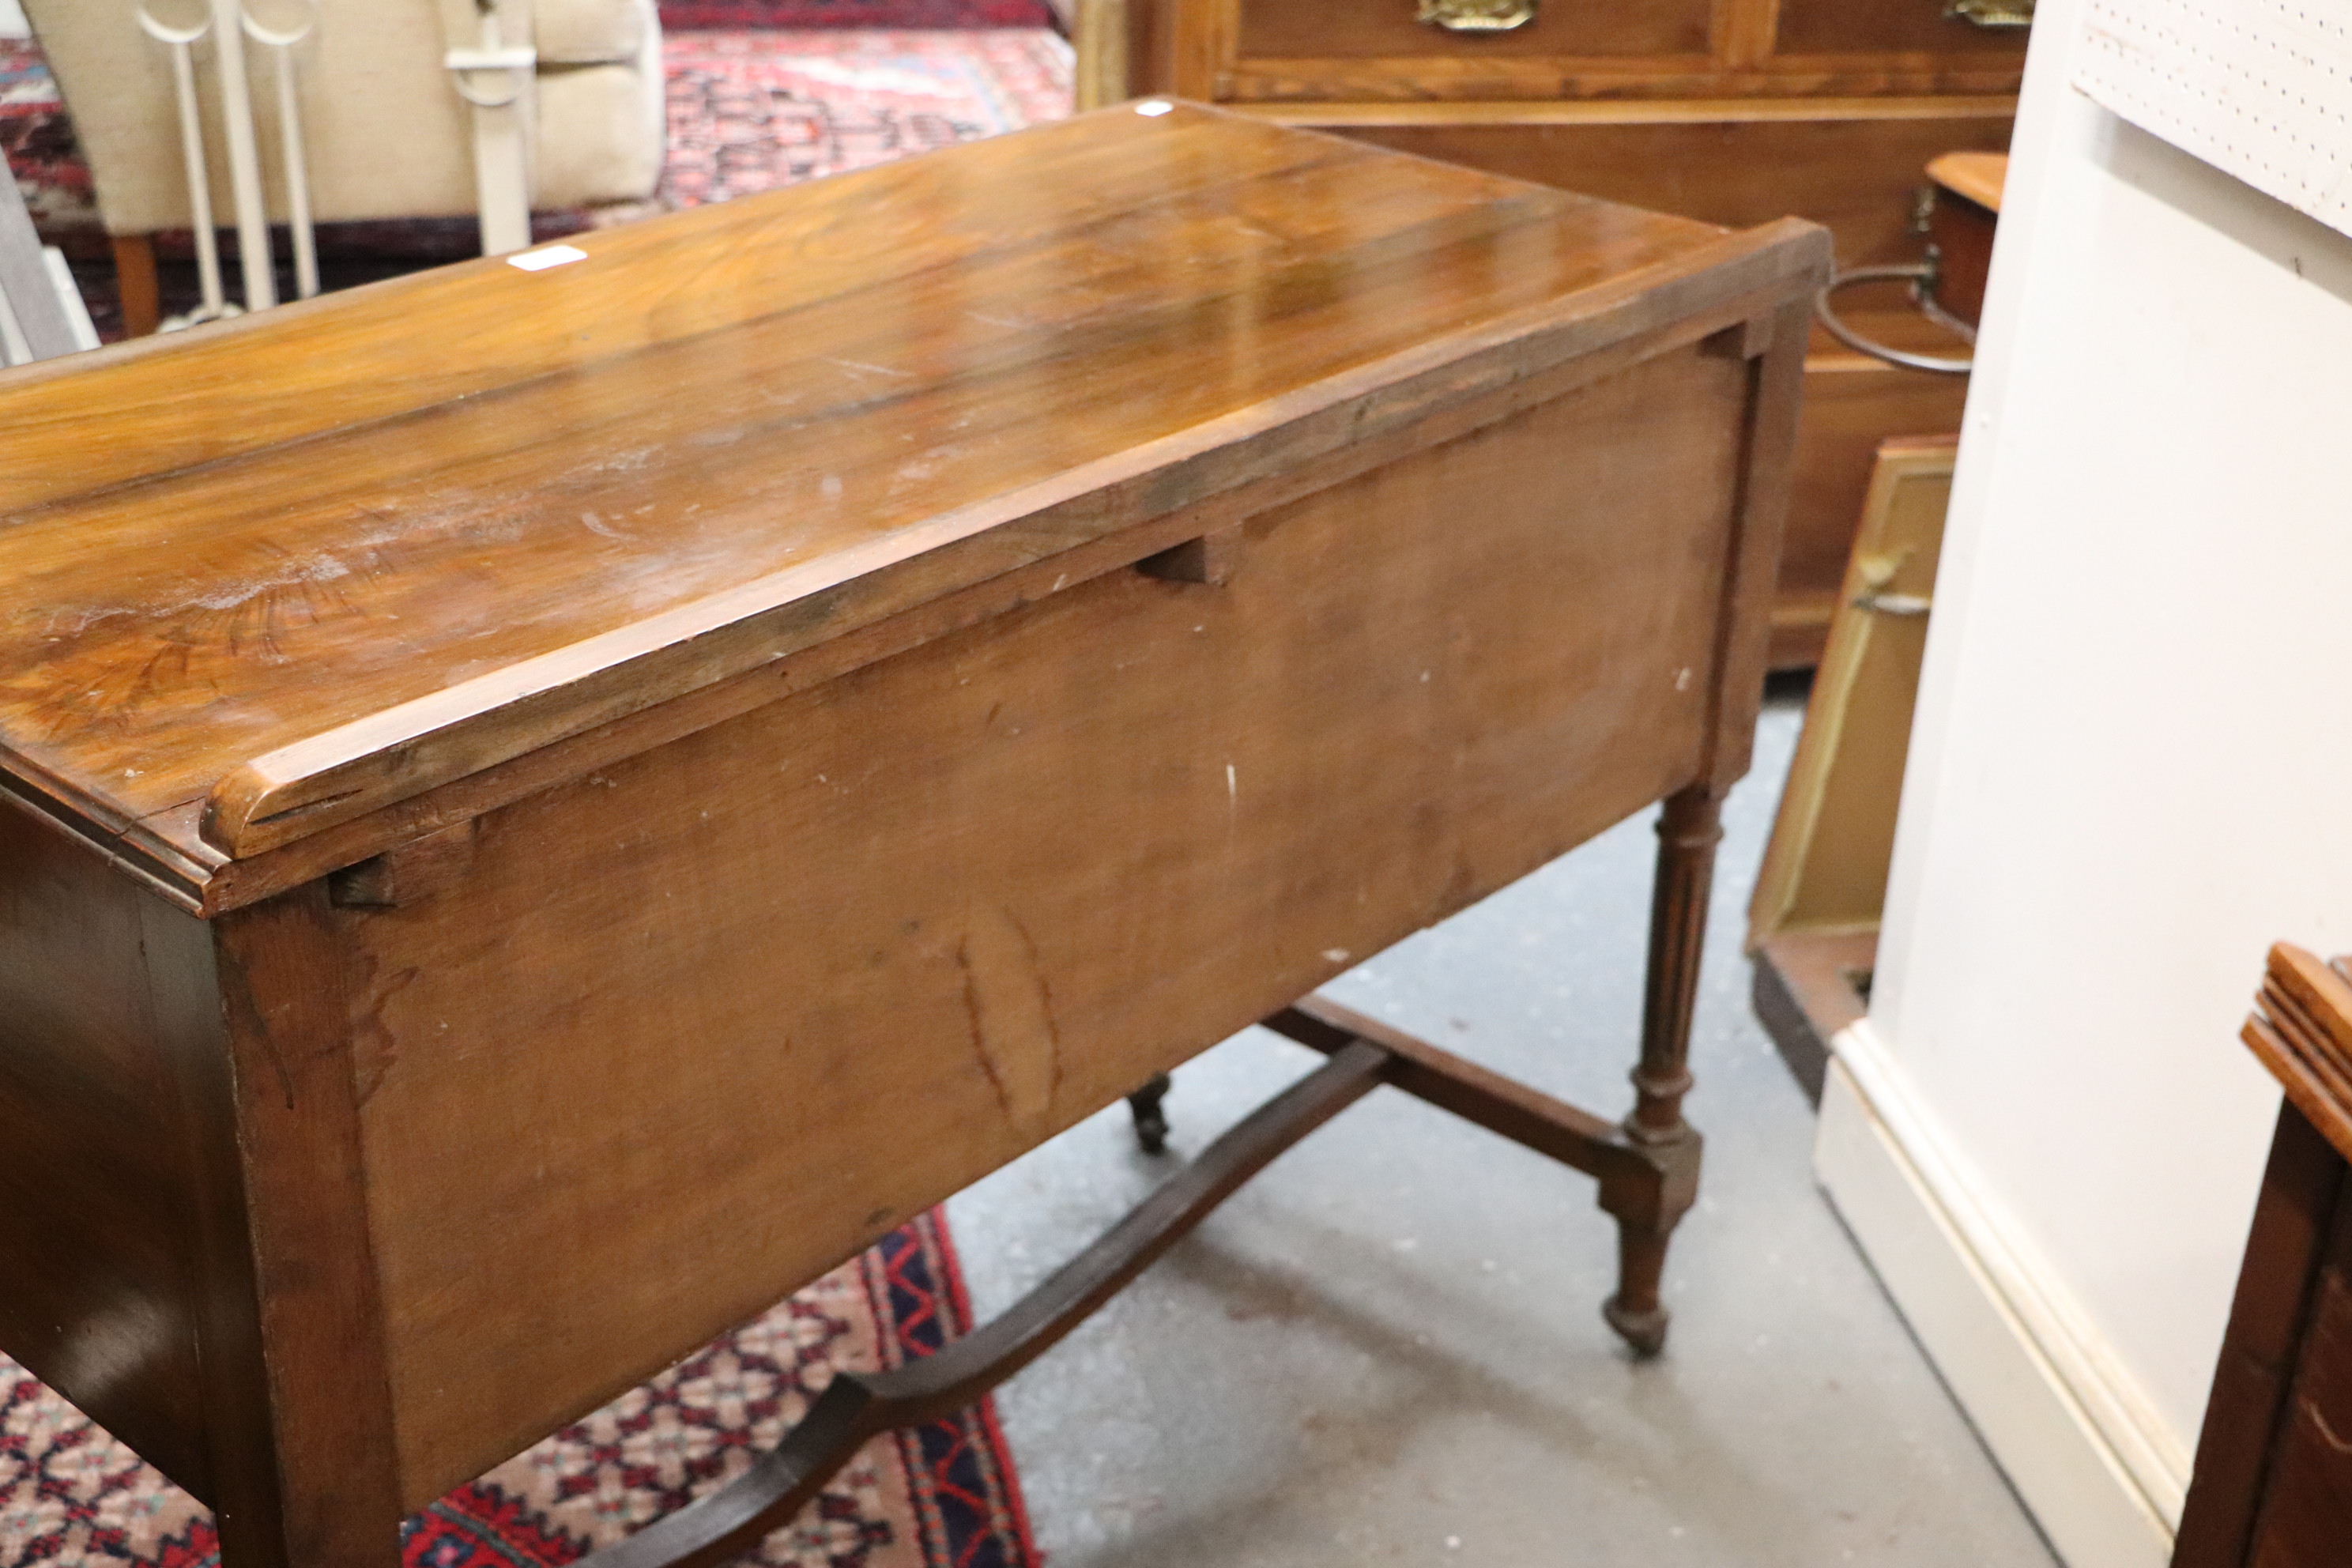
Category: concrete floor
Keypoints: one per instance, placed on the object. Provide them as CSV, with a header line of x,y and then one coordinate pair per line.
x,y
1389,1347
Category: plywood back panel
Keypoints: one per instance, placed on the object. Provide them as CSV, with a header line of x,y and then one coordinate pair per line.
x,y
886,967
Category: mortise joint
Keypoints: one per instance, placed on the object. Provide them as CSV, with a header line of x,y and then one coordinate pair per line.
x,y
1750,339
1209,558
414,871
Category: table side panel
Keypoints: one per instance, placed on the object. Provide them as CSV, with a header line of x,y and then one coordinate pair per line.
x,y
96,1247
693,1029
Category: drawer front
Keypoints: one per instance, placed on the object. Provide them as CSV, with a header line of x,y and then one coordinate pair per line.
x,y
1891,27
1859,177
699,1026
1361,29
1400,51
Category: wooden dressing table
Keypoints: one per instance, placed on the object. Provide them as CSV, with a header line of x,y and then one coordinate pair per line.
x,y
545,809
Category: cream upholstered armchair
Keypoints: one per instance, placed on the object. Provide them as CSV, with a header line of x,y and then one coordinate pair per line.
x,y
404,108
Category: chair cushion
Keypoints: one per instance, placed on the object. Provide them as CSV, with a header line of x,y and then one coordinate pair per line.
x,y
593,32
602,133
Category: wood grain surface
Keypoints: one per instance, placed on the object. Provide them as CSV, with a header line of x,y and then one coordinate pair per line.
x,y
1979,176
369,545
1916,32
2303,1033
1857,175
561,805
1653,51
836,908
1298,29
95,1247
1366,51
2299,1210
1961,228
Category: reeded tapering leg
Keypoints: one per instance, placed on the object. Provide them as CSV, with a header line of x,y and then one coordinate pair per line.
x,y
1647,1212
1150,1114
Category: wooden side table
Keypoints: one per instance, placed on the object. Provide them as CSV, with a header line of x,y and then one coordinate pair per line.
x,y
2272,1486
545,804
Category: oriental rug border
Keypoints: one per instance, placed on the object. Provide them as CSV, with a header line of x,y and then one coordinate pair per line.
x,y
943,1495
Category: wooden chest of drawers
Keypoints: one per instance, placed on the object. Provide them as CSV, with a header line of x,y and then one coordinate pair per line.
x,y
1736,111
2272,1487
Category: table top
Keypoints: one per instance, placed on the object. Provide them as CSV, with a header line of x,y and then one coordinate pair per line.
x,y
265,577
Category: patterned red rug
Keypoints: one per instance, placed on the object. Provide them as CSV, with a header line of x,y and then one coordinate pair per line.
x,y
38,140
942,1496
897,14
752,111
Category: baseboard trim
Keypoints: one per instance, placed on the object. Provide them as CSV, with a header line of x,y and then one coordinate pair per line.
x,y
2069,1427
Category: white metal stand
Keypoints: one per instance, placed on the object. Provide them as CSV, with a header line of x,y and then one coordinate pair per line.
x,y
228,25
41,313
496,78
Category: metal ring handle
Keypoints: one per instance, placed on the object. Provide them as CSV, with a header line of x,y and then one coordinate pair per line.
x,y
1918,273
1944,319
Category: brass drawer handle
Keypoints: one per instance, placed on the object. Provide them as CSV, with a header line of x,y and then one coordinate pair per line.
x,y
1992,12
1487,16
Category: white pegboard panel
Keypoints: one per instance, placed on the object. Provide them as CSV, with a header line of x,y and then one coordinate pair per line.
x,y
2259,88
